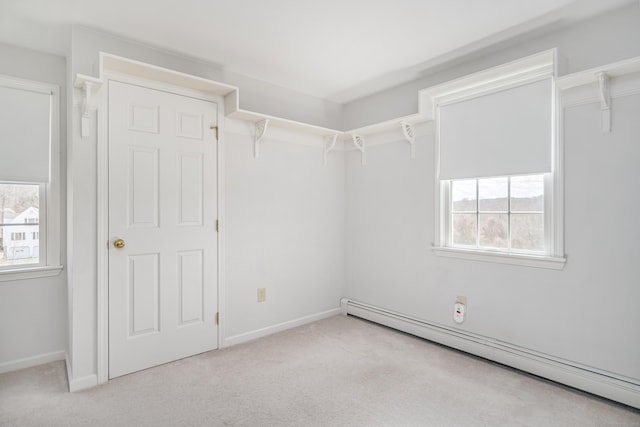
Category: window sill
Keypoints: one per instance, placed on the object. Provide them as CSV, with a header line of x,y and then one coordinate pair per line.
x,y
29,273
553,263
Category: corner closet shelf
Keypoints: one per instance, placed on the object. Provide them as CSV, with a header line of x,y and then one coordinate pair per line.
x,y
117,64
357,136
231,94
388,125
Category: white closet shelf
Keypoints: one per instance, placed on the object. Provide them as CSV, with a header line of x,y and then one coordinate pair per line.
x,y
344,136
231,96
615,69
401,125
251,116
230,93
140,69
388,125
82,80
118,64
583,83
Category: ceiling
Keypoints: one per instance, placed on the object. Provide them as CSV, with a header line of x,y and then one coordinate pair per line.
x,y
339,50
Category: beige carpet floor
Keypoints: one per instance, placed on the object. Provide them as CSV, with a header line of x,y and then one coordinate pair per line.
x,y
340,371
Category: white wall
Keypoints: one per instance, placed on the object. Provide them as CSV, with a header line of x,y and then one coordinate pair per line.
x,y
284,231
584,314
607,38
33,312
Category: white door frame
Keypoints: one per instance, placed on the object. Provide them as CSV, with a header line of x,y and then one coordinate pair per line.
x,y
102,220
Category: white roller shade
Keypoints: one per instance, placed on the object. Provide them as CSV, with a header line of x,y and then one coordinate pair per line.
x,y
508,132
25,135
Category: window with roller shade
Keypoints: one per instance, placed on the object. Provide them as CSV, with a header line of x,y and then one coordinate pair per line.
x,y
29,217
498,171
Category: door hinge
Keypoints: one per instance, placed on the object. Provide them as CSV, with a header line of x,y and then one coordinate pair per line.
x,y
217,318
217,226
216,129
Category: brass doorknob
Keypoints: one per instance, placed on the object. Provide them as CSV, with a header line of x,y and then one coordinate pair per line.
x,y
119,243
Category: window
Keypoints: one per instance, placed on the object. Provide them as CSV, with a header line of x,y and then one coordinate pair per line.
x,y
19,218
498,192
504,214
29,187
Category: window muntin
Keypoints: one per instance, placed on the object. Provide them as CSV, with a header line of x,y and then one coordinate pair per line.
x,y
20,225
505,214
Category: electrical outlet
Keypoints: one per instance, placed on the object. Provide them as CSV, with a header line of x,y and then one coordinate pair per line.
x,y
262,294
459,312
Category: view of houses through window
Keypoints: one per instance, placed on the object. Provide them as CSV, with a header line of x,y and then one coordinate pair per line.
x,y
19,224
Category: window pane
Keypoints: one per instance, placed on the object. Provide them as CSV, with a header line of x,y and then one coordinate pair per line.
x,y
464,229
493,194
527,232
527,193
494,230
19,224
463,195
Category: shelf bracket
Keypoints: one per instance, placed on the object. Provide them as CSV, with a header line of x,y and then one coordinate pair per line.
x,y
261,129
86,99
605,101
85,120
89,86
410,136
358,141
329,144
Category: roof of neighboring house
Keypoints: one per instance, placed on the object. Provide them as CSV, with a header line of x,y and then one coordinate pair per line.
x,y
31,212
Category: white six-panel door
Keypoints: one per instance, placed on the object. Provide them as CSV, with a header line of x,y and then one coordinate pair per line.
x,y
163,207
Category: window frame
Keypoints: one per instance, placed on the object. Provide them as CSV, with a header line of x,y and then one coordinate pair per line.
x,y
49,195
512,74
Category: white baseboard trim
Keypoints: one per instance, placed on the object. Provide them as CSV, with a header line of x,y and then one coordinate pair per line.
x,y
83,383
28,362
602,383
269,330
77,384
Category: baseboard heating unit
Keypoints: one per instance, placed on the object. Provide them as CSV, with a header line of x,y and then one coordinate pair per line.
x,y
599,382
